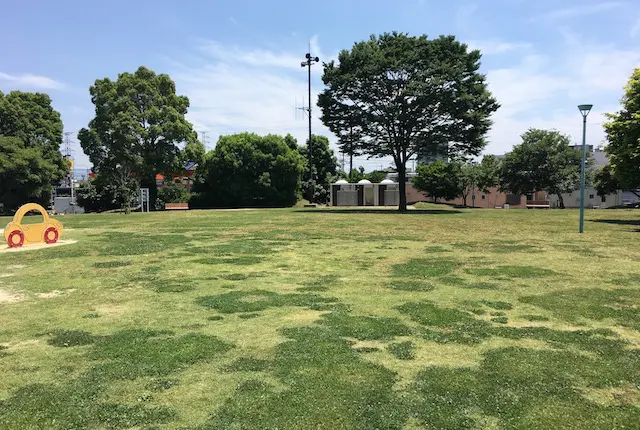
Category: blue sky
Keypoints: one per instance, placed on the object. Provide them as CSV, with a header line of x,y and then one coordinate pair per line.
x,y
239,61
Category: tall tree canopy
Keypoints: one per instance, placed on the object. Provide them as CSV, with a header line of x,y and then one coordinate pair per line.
x,y
30,159
139,122
406,94
623,135
543,161
324,164
247,170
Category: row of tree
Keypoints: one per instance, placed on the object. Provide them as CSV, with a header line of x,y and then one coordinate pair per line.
x,y
543,161
244,170
390,96
393,96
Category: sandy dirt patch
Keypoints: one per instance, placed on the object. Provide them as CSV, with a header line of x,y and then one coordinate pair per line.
x,y
6,275
35,246
6,297
54,293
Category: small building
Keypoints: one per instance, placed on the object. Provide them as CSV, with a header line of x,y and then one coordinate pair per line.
x,y
364,193
591,199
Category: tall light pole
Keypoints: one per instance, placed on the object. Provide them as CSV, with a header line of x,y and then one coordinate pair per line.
x,y
308,63
584,110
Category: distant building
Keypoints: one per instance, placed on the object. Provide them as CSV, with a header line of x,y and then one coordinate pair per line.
x,y
186,176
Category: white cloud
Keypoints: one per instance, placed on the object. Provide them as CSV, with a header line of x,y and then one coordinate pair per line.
x,y
234,89
635,30
496,46
543,92
29,81
580,10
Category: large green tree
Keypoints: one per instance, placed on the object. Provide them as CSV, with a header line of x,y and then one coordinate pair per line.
x,y
325,168
247,170
138,125
407,94
469,173
30,160
543,161
26,175
623,136
439,180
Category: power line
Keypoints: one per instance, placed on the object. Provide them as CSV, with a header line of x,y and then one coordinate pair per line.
x,y
204,139
67,144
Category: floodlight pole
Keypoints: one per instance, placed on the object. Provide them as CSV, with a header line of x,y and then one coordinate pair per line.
x,y
308,63
584,110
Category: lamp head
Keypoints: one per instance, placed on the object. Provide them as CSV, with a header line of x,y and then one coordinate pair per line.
x,y
307,56
317,59
303,64
585,109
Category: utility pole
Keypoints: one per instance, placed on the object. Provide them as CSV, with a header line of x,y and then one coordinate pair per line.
x,y
204,138
69,179
67,144
308,63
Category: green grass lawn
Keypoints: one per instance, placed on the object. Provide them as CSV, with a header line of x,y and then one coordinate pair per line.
x,y
294,319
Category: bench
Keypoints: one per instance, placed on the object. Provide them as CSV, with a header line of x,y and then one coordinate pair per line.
x,y
176,206
538,206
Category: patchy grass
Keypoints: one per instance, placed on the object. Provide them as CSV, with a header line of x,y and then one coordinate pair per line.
x,y
481,286
438,318
245,260
597,304
445,324
258,300
410,285
402,350
111,264
248,364
365,327
535,318
497,305
67,338
424,268
510,272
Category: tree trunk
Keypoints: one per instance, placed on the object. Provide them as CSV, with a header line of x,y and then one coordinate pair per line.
x,y
402,184
464,198
560,201
350,164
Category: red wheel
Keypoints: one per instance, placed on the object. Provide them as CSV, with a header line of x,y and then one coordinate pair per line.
x,y
51,235
15,239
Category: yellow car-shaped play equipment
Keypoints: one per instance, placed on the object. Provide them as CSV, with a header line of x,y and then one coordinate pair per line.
x,y
17,234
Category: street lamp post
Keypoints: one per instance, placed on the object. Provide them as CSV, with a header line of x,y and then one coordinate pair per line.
x,y
584,110
307,63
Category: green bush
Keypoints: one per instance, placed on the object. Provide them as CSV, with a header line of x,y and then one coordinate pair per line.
x,y
247,170
172,192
